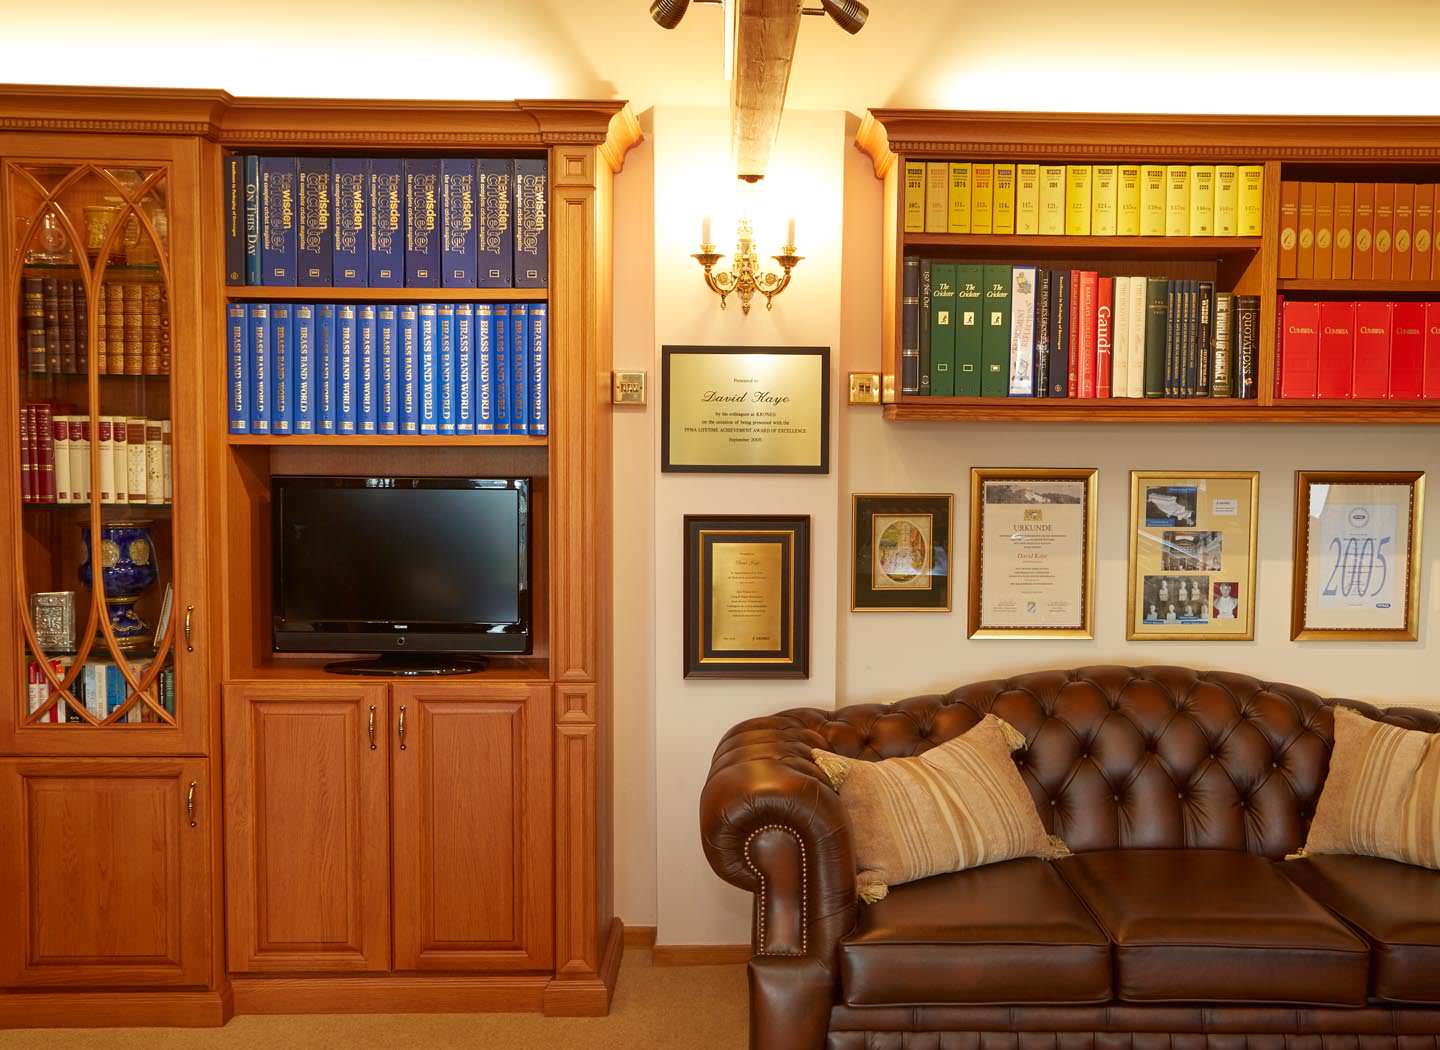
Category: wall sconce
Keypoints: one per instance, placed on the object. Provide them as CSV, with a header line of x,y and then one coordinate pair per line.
x,y
744,277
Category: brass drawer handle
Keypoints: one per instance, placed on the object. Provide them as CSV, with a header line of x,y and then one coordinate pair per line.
x,y
190,803
402,727
372,727
189,622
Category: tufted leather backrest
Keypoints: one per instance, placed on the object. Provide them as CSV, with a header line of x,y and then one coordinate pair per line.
x,y
1135,757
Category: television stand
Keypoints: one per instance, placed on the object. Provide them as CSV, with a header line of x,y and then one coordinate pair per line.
x,y
409,665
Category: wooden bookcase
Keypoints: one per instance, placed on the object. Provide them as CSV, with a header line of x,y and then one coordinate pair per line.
x,y
1316,148
306,870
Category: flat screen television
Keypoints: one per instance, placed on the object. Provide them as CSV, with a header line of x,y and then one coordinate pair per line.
x,y
433,573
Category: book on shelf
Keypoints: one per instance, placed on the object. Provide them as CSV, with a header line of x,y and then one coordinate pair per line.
x,y
422,217
132,327
1202,200
458,207
1027,198
387,222
910,327
278,193
253,273
1384,230
1024,303
1003,212
1052,200
1344,236
957,205
314,230
1305,232
995,324
913,201
1078,189
927,359
1324,230
350,241
234,204
1401,233
1360,265
1104,199
942,328
982,197
969,303
937,181
1104,336
382,368
532,227
55,457
1365,349
100,688
1227,200
496,237
1252,200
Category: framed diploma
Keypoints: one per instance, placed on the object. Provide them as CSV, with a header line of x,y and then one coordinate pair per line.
x,y
747,596
1032,553
1357,556
745,410
902,552
1192,555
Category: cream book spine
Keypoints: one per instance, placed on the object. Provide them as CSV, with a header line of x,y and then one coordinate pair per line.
x,y
1136,385
1127,202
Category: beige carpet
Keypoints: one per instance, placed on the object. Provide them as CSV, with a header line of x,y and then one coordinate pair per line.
x,y
669,1007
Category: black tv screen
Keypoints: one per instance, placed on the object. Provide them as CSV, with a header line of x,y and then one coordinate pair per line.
x,y
387,564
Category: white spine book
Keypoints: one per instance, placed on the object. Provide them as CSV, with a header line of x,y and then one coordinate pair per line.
x,y
80,459
1137,338
60,432
166,450
105,438
154,463
120,461
1120,340
1022,332
135,458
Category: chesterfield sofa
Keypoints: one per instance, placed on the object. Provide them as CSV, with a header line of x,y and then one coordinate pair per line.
x,y
1176,925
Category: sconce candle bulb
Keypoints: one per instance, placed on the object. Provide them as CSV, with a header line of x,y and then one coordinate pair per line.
x,y
744,277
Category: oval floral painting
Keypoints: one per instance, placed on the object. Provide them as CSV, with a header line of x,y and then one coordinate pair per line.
x,y
903,552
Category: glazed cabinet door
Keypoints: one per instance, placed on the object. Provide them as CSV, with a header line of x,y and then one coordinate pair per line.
x,y
472,838
106,882
101,407
307,827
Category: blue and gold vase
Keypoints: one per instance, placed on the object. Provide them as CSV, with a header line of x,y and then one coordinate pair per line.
x,y
127,570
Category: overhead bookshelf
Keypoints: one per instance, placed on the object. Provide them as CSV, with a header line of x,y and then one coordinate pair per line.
x,y
1401,149
288,294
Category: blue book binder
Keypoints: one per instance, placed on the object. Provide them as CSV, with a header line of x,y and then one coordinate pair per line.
x,y
532,228
445,368
388,338
234,219
429,370
496,237
315,230
346,387
500,366
281,370
252,220
237,338
422,223
386,213
350,245
366,411
302,326
278,203
539,415
519,368
457,223
464,369
484,368
258,316
409,370
326,369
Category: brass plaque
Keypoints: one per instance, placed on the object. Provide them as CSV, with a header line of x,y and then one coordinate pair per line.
x,y
746,410
746,597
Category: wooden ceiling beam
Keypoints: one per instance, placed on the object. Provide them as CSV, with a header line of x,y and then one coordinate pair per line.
x,y
765,35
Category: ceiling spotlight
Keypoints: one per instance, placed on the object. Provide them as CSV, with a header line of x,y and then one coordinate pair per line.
x,y
667,13
849,15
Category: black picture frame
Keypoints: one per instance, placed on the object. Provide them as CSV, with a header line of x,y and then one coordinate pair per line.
x,y
821,463
936,570
790,656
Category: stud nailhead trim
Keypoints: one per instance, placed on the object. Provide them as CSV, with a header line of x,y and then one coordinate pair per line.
x,y
764,887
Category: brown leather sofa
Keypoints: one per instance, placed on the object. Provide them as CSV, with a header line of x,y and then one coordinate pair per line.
x,y
1172,927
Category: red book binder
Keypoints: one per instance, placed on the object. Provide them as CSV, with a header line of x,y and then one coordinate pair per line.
x,y
1335,372
1104,335
1073,360
27,475
1432,349
1372,349
1299,357
43,452
1089,293
1407,350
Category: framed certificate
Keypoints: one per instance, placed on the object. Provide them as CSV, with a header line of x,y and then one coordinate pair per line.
x,y
1357,556
902,552
747,596
745,409
1192,555
1032,553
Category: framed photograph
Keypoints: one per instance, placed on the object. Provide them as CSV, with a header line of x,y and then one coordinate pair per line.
x,y
1032,552
747,596
902,552
1192,555
745,409
1357,555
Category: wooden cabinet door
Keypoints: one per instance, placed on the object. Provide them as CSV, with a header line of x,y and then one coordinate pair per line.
x,y
307,826
105,880
472,835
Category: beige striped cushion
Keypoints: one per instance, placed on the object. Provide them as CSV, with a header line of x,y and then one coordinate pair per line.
x,y
959,805
1382,797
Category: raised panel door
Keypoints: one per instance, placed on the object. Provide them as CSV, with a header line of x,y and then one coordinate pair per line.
x,y
472,847
307,827
107,880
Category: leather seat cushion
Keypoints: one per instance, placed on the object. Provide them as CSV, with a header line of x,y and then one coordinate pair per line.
x,y
1004,933
1192,925
1396,907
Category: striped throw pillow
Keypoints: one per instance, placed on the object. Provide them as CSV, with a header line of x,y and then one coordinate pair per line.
x,y
1382,796
959,805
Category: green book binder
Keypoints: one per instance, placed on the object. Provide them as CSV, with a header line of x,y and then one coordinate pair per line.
x,y
942,329
995,333
1157,319
969,301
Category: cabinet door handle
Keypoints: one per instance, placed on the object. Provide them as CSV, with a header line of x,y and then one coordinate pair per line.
x,y
372,727
189,622
402,727
190,803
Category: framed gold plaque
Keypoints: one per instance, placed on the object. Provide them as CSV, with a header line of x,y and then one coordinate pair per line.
x,y
747,596
1192,555
902,552
1357,555
745,409
1032,552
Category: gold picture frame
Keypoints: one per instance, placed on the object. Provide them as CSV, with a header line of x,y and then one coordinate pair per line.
x,y
926,517
1192,548
1017,608
1356,521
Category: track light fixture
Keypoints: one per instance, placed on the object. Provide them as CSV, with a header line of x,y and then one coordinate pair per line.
x,y
667,13
849,15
